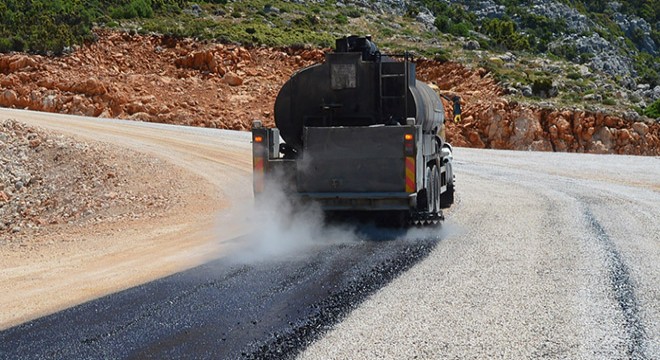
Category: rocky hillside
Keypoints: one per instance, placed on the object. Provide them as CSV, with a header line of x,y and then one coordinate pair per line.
x,y
537,74
162,79
586,53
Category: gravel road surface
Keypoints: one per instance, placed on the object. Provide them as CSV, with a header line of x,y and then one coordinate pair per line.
x,y
552,255
544,255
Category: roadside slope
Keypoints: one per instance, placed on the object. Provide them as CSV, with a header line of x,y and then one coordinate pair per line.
x,y
80,264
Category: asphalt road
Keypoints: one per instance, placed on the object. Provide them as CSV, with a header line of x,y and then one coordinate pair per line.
x,y
544,255
223,309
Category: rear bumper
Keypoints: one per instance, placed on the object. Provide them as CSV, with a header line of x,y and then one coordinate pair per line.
x,y
346,201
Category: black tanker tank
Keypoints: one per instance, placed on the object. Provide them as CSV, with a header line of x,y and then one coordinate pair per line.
x,y
356,86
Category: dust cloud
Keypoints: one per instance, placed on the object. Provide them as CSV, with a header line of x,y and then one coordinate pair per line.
x,y
281,228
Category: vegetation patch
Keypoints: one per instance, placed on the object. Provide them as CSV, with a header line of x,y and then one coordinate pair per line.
x,y
653,110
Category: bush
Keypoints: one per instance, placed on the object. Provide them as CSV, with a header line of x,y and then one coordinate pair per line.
x,y
460,29
5,45
568,52
653,110
542,86
609,101
574,75
648,69
504,33
441,56
134,9
352,12
47,26
341,19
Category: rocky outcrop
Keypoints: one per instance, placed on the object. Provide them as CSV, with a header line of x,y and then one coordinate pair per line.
x,y
492,121
517,127
639,30
604,56
14,63
611,56
575,21
487,9
218,59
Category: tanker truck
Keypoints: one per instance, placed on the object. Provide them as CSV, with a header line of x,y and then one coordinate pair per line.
x,y
358,133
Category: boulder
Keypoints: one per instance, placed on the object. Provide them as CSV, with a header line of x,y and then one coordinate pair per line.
x,y
8,98
232,79
641,128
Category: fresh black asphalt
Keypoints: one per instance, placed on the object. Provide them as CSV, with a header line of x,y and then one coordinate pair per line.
x,y
222,309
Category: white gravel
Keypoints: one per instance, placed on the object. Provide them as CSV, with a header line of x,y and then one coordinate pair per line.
x,y
535,265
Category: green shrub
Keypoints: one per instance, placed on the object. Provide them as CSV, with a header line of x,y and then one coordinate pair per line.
x,y
460,29
134,9
441,56
352,12
504,33
411,11
386,32
648,69
542,86
568,52
5,45
341,19
608,101
653,110
49,26
574,75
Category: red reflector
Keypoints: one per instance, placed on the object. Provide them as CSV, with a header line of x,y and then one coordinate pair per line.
x,y
408,137
258,138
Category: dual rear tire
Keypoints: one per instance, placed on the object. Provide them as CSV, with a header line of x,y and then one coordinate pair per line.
x,y
433,185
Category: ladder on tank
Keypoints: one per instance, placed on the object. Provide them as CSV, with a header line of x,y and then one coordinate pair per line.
x,y
383,77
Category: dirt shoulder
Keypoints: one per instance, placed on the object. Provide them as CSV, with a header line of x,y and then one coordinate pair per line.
x,y
83,218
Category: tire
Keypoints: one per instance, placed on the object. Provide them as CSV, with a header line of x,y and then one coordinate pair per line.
x,y
436,190
430,189
447,198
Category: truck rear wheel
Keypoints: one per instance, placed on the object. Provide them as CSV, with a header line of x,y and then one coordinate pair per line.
x,y
432,189
436,190
447,198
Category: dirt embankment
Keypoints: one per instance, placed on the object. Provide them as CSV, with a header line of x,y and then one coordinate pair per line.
x,y
159,79
50,182
154,79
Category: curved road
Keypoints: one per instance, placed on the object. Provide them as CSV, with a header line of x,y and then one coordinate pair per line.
x,y
544,255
